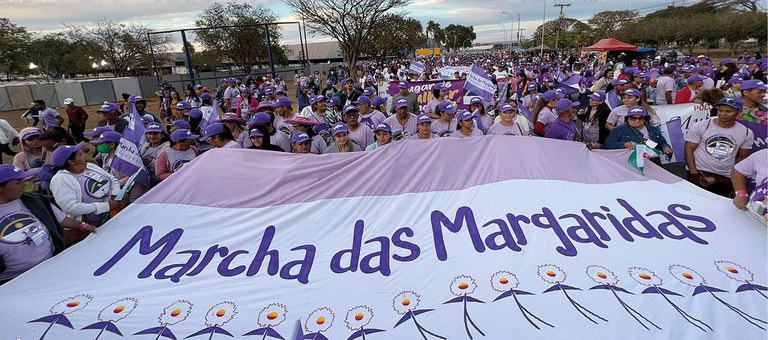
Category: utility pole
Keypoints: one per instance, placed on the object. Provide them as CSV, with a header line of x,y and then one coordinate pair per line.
x,y
518,30
559,22
543,24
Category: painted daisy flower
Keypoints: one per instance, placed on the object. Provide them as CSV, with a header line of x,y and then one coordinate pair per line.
x,y
734,271
686,275
320,320
463,285
644,276
406,301
272,315
602,275
503,281
71,305
551,273
358,317
175,313
118,310
221,313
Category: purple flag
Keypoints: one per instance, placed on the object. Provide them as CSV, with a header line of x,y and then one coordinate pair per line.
x,y
416,68
612,100
676,140
128,160
210,116
761,134
480,83
570,85
526,113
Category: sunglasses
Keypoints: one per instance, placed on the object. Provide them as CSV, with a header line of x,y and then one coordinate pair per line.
x,y
637,118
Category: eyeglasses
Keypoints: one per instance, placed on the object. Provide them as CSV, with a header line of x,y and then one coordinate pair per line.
x,y
637,118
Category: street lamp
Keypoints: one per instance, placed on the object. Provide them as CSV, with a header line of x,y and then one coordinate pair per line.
x,y
511,27
503,32
32,66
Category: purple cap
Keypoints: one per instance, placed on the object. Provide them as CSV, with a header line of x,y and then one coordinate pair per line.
x,y
316,99
232,118
183,134
563,105
475,100
632,92
260,118
212,130
368,91
363,100
369,79
753,84
206,96
222,81
403,84
532,86
31,133
687,69
146,120
733,102
334,101
637,111
108,107
629,70
198,87
339,128
107,137
328,82
255,133
382,127
349,80
269,91
599,96
349,109
9,172
299,137
401,103
97,131
694,79
60,156
282,101
183,106
465,115
137,99
447,107
698,70
727,61
508,107
194,113
377,101
735,79
551,95
181,124
153,127
617,82
423,119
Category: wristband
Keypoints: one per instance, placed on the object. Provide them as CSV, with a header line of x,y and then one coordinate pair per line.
x,y
742,193
83,226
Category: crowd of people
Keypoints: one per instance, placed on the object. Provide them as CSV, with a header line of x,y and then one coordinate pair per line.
x,y
62,185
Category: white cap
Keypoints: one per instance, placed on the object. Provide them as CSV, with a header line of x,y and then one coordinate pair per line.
x,y
68,101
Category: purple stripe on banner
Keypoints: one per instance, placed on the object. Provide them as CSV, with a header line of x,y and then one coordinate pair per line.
x,y
409,166
676,139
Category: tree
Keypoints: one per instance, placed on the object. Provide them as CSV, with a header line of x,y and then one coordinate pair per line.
x,y
435,33
749,5
56,56
609,24
246,47
122,46
13,46
458,36
573,33
349,22
394,35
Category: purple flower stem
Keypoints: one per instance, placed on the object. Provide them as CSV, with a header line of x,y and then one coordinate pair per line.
x,y
423,330
683,313
524,310
48,329
755,289
580,307
362,331
630,310
212,332
101,331
467,317
161,332
265,335
741,313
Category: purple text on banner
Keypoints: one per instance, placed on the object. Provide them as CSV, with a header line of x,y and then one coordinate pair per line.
x,y
480,83
676,139
423,91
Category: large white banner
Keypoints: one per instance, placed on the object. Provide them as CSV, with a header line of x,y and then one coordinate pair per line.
x,y
587,247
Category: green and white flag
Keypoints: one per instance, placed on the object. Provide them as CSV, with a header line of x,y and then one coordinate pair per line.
x,y
639,155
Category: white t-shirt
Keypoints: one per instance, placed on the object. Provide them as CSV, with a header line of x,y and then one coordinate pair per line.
x,y
754,166
717,147
616,117
665,84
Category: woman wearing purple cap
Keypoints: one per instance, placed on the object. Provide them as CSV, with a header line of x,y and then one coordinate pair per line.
x,y
638,130
301,143
260,140
245,103
630,98
593,118
33,155
439,94
83,190
34,229
303,124
235,126
542,112
157,142
509,125
383,135
424,128
447,124
341,140
483,120
563,127
220,137
179,153
466,125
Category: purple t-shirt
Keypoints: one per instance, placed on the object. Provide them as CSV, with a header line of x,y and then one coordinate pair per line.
x,y
372,119
24,240
444,130
559,129
48,116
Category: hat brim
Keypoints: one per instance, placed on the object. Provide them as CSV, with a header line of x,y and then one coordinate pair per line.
x,y
301,121
232,120
102,141
74,149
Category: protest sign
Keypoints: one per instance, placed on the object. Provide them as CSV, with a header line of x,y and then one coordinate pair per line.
x,y
479,83
423,91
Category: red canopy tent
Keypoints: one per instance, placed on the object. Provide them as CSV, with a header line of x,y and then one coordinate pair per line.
x,y
610,44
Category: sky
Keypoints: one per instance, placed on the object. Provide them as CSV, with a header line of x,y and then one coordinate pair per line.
x,y
491,18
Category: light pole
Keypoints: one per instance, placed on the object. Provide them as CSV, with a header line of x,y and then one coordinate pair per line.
x,y
503,32
543,22
511,28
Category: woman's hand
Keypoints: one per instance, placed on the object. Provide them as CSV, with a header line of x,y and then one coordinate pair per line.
x,y
629,145
667,151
